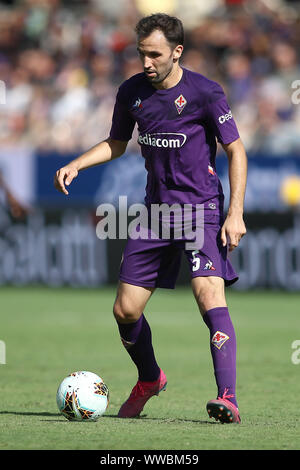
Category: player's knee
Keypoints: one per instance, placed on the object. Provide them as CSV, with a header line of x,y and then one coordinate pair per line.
x,y
209,293
124,312
118,312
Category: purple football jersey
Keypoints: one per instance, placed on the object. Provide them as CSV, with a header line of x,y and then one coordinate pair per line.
x,y
178,132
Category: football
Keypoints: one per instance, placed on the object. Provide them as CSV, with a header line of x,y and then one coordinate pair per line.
x,y
82,396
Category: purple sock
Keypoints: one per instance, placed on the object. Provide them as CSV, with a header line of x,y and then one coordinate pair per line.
x,y
137,340
223,350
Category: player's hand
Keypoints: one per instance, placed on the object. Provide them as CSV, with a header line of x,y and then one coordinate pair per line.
x,y
232,231
64,177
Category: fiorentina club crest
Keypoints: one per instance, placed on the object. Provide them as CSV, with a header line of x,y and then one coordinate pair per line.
x,y
180,103
219,339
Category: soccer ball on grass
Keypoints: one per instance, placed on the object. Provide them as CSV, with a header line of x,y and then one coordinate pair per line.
x,y
82,396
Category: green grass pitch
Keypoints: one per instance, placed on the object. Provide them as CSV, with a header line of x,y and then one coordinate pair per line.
x,y
49,333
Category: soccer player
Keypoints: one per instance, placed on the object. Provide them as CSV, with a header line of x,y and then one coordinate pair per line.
x,y
180,115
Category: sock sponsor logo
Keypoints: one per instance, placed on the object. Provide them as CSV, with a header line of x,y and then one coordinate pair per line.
x,y
219,339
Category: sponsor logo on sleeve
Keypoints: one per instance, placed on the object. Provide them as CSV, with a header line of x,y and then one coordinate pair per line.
x,y
225,117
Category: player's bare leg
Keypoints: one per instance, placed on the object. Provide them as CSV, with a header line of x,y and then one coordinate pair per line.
x,y
130,302
136,337
209,293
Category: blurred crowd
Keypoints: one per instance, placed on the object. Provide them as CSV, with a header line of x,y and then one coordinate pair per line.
x,y
62,62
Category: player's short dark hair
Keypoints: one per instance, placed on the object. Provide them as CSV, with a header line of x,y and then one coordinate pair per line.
x,y
171,27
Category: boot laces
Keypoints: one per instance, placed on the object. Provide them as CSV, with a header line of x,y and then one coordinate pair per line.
x,y
225,396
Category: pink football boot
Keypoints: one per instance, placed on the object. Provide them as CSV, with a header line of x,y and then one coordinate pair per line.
x,y
223,410
140,394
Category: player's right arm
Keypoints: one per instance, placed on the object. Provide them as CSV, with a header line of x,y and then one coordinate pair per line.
x,y
105,151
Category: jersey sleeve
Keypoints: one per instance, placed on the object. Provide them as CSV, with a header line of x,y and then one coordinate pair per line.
x,y
220,116
122,121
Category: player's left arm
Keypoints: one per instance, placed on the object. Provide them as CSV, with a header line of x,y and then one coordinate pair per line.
x,y
234,227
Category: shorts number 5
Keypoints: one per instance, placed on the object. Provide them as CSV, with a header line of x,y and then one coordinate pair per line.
x,y
195,261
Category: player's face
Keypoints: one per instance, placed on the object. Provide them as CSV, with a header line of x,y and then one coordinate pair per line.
x,y
157,56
